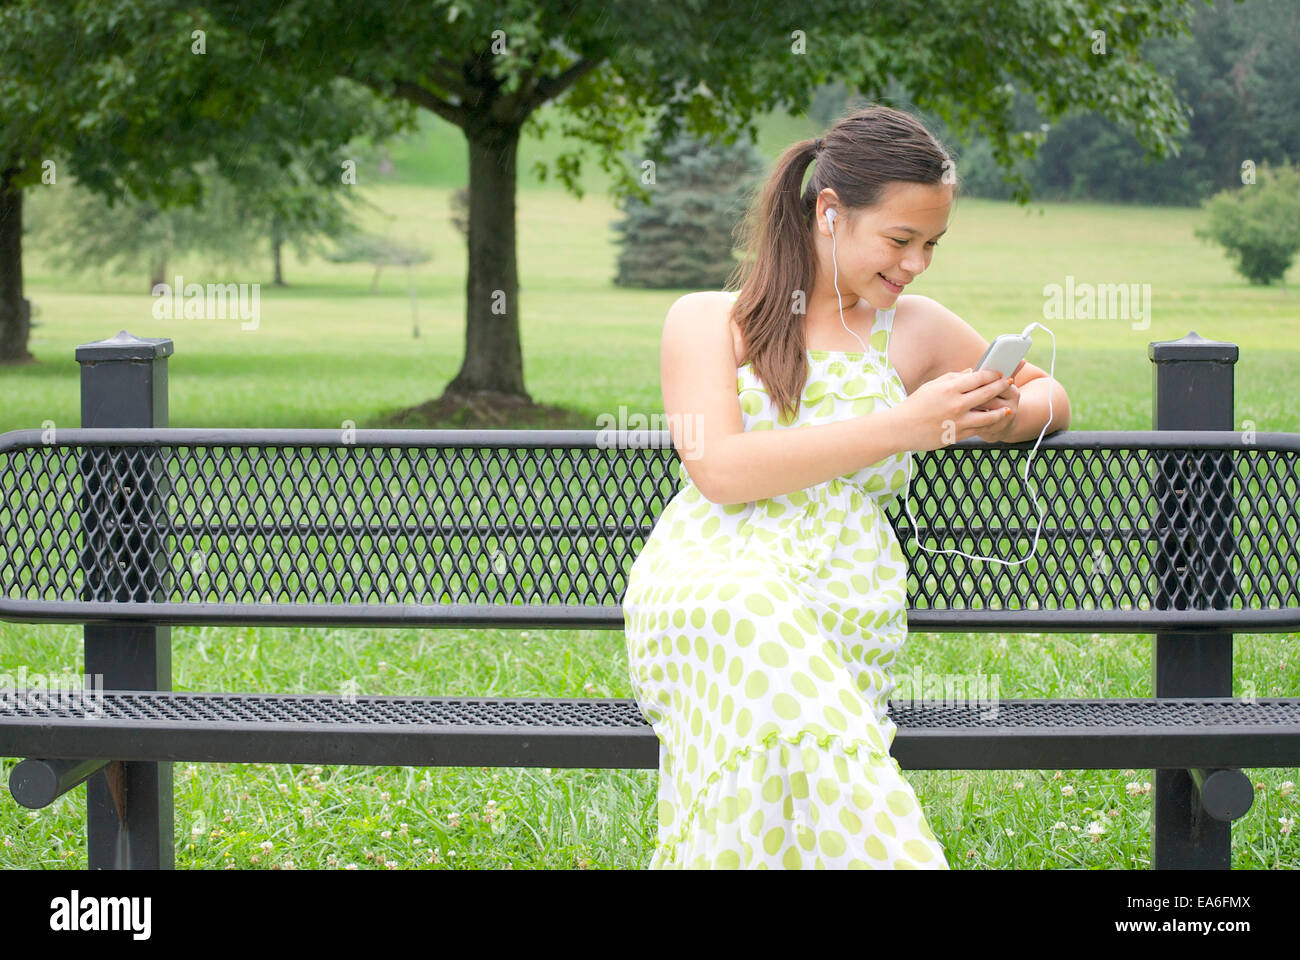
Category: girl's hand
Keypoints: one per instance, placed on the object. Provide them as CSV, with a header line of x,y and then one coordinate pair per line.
x,y
950,408
1003,427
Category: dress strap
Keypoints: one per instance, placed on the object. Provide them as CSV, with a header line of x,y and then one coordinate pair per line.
x,y
881,329
884,322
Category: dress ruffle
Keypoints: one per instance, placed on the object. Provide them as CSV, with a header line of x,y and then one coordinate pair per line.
x,y
806,800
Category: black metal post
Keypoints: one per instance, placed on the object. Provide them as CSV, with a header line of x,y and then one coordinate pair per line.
x,y
1192,389
129,806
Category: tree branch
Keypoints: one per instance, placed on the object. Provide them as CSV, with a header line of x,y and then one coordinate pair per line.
x,y
442,75
550,87
416,94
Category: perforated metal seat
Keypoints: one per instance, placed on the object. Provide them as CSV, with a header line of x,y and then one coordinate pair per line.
x,y
486,731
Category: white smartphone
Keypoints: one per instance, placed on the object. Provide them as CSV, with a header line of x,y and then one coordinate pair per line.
x,y
1005,352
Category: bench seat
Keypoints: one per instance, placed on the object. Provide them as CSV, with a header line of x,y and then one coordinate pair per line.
x,y
548,732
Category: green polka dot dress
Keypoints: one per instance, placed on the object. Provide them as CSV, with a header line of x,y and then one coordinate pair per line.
x,y
761,637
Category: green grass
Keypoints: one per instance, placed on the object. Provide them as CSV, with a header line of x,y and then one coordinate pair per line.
x,y
327,351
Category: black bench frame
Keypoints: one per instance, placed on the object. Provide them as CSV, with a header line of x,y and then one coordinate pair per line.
x,y
1194,733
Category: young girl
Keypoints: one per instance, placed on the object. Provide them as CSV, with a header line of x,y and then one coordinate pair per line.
x,y
765,612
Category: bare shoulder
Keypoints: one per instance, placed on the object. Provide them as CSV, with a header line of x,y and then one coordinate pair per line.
x,y
704,315
917,310
915,347
946,341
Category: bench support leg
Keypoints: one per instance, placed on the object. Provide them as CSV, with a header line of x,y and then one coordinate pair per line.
x,y
1183,835
129,808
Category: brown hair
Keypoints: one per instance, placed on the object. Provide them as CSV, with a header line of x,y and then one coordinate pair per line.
x,y
859,156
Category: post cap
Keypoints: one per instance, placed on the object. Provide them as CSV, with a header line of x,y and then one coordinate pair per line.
x,y
125,346
1192,347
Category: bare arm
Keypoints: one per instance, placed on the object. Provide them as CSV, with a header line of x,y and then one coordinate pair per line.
x,y
728,464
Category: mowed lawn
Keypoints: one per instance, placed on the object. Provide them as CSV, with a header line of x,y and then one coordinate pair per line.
x,y
326,351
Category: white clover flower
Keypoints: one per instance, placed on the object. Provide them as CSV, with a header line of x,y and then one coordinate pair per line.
x,y
1067,791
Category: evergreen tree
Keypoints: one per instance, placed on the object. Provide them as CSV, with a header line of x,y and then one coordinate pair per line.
x,y
683,238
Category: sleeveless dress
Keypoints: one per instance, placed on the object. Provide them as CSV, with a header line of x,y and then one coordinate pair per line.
x,y
760,638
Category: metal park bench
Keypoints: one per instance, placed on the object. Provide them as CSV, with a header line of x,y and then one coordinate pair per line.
x,y
126,526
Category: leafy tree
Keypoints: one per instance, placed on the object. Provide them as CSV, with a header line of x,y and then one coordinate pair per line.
x,y
82,232
1234,65
1259,223
130,97
231,224
309,194
612,67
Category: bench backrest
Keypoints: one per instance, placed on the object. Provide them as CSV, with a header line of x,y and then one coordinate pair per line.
x,y
1140,530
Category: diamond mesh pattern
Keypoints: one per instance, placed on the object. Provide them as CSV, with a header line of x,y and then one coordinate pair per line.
x,y
131,707
187,517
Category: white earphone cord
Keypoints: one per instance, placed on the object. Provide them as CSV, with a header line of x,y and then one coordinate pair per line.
x,y
830,219
907,490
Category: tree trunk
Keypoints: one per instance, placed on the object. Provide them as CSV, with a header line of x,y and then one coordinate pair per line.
x,y
493,358
158,272
15,309
415,313
277,245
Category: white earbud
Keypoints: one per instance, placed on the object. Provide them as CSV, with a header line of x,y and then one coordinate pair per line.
x,y
830,218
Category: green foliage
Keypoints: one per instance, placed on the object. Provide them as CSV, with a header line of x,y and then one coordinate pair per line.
x,y
1259,224
230,224
83,232
1234,67
620,68
683,238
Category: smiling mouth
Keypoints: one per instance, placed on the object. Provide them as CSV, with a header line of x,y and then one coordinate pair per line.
x,y
887,280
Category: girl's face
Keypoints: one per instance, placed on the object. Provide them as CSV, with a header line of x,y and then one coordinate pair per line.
x,y
889,244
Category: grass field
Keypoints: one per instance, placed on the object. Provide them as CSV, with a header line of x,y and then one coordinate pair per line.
x,y
327,351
